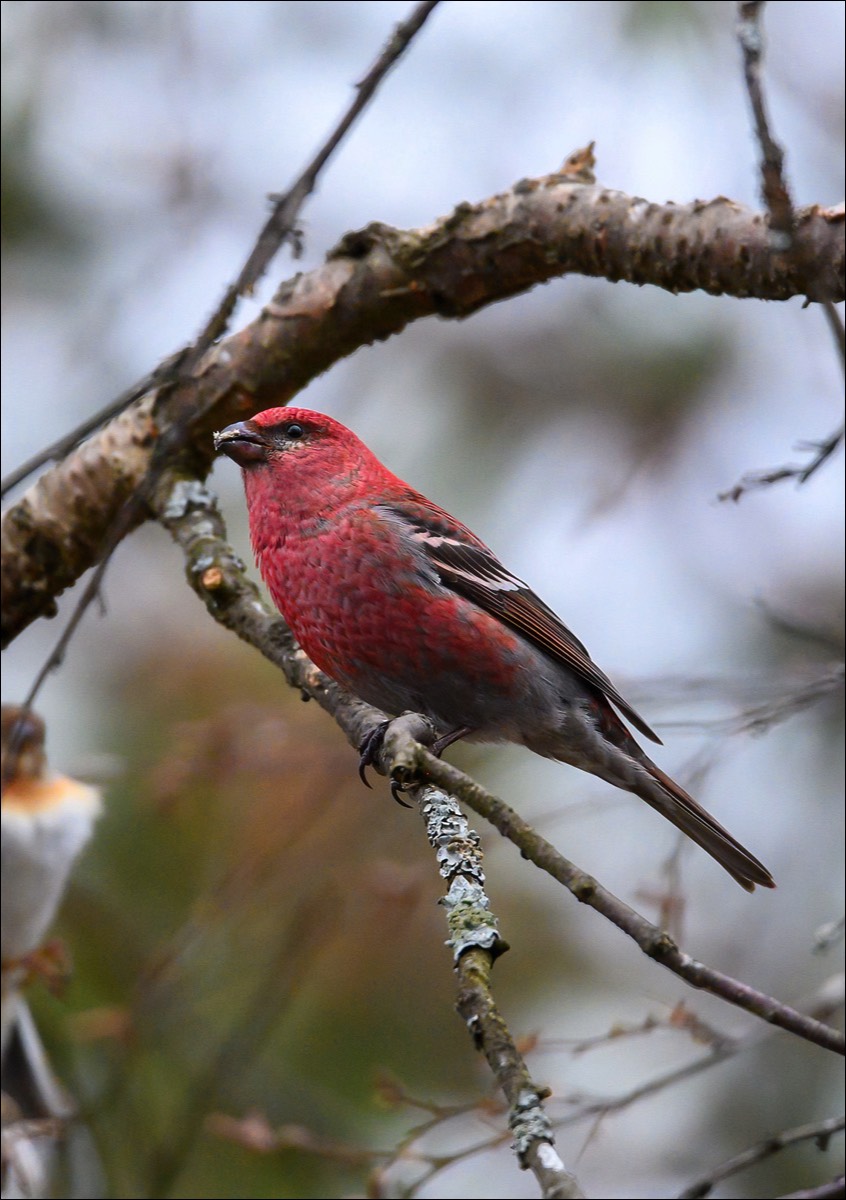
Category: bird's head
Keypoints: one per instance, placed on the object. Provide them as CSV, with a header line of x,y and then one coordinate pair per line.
x,y
297,459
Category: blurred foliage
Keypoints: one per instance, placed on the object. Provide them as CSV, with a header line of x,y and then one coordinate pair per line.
x,y
678,22
33,215
251,930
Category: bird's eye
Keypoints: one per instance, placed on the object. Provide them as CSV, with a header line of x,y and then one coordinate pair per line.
x,y
294,430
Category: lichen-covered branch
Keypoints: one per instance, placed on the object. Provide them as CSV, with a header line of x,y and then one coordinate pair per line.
x,y
654,942
188,511
373,284
475,942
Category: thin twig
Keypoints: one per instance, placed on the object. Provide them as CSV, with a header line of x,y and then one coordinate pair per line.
x,y
279,228
281,225
833,1189
820,1131
835,324
787,699
776,195
773,184
752,480
825,1002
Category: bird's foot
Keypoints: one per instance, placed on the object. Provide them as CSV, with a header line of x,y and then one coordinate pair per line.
x,y
369,750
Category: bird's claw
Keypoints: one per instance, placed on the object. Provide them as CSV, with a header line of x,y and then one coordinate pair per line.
x,y
396,791
369,749
368,752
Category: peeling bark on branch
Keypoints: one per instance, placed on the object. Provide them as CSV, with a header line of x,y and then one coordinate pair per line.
x,y
372,285
58,529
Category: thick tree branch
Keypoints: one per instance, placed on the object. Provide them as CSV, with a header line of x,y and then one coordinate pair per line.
x,y
372,285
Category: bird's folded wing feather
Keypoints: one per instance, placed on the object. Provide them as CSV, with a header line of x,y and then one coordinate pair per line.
x,y
466,565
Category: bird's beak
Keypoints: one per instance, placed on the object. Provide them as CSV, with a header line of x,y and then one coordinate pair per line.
x,y
244,442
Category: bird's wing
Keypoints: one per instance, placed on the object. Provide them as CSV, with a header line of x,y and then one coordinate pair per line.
x,y
465,565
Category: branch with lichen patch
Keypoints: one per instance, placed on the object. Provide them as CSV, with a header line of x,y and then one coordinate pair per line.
x,y
475,942
409,761
188,511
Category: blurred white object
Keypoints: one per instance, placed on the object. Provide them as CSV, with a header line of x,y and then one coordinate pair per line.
x,y
46,821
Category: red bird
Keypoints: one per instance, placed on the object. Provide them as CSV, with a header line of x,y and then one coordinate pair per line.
x,y
398,602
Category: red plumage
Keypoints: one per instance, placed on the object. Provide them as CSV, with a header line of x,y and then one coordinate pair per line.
x,y
399,602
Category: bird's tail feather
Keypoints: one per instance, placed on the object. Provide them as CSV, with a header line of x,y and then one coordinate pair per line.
x,y
677,806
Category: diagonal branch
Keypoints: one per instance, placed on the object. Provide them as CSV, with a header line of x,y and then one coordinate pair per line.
x,y
820,1131
279,228
654,942
281,225
189,513
373,284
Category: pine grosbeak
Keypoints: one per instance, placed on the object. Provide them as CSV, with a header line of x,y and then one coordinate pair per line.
x,y
397,601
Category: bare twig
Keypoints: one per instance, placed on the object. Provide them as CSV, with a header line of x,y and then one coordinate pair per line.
x,y
828,1000
281,225
680,1020
279,228
834,1189
776,196
188,512
836,326
752,480
787,698
255,1133
774,187
819,1131
828,935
